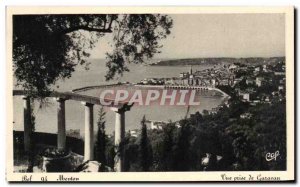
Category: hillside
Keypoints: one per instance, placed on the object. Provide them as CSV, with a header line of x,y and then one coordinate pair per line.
x,y
217,61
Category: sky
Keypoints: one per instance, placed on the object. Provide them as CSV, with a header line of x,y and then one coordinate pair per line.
x,y
219,35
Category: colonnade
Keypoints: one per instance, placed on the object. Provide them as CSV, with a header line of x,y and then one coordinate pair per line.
x,y
89,129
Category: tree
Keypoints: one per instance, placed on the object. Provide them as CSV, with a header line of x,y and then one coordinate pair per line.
x,y
100,148
253,138
32,151
145,147
49,47
132,156
167,156
182,147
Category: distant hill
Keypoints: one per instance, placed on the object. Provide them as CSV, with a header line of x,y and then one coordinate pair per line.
x,y
217,61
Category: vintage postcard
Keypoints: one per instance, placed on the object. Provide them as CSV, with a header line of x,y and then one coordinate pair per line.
x,y
150,94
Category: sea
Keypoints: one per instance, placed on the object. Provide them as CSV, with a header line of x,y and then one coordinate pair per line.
x,y
94,74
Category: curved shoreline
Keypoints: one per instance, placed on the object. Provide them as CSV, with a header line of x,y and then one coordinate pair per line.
x,y
95,87
225,95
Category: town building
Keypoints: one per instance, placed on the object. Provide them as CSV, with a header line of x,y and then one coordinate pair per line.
x,y
279,73
246,115
250,81
281,87
245,96
259,81
133,133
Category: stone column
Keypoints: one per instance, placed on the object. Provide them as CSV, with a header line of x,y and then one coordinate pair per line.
x,y
27,124
119,138
89,132
120,135
61,124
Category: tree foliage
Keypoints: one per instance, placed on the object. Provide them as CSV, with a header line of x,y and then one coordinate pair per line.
x,y
241,143
182,156
49,47
145,148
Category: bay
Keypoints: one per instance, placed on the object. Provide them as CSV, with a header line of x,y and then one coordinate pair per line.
x,y
46,117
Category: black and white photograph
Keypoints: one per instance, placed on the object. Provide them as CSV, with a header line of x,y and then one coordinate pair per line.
x,y
111,94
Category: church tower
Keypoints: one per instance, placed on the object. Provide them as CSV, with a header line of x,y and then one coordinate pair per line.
x,y
191,77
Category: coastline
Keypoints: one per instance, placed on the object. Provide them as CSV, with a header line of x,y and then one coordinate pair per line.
x,y
225,95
